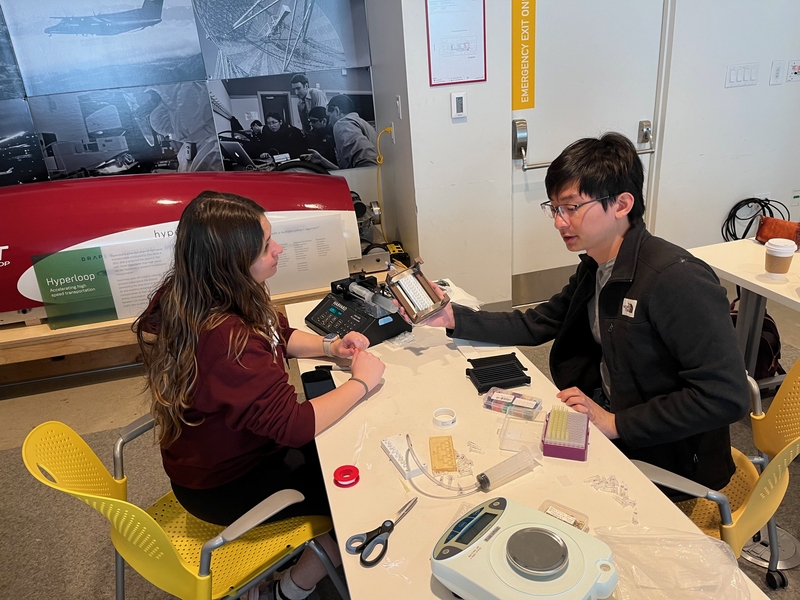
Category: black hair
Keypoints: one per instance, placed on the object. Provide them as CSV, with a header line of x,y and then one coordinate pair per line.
x,y
318,112
300,78
256,122
342,102
604,166
273,115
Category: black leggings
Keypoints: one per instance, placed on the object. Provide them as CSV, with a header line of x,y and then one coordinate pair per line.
x,y
289,468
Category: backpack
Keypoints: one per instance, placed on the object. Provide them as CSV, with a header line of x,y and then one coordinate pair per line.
x,y
769,347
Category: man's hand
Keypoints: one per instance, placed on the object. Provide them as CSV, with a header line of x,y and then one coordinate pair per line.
x,y
601,418
346,346
444,318
313,157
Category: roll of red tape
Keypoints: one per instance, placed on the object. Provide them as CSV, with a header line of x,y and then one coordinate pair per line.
x,y
346,476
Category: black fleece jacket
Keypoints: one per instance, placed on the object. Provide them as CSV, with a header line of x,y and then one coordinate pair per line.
x,y
677,376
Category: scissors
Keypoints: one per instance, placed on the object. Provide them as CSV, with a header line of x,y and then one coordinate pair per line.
x,y
365,543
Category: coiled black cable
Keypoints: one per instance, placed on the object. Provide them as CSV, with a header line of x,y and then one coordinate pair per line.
x,y
755,207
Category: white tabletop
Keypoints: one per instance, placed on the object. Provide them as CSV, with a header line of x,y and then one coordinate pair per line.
x,y
742,262
419,378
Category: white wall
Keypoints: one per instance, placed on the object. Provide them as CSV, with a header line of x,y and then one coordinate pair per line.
x,y
723,145
447,186
455,192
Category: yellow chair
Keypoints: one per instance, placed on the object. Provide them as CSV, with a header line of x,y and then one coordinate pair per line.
x,y
166,545
781,423
737,524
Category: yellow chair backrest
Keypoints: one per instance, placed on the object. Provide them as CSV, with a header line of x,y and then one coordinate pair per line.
x,y
71,466
763,500
781,423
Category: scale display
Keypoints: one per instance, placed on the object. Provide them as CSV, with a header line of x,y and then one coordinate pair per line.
x,y
503,550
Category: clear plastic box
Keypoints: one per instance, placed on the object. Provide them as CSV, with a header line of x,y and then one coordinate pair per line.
x,y
516,433
565,514
512,403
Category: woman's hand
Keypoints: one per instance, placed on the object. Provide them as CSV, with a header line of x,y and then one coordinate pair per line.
x,y
347,346
367,367
601,418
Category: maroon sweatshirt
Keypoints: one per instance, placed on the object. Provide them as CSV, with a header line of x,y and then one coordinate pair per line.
x,y
247,407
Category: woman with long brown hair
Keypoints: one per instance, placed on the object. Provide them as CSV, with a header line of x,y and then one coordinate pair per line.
x,y
230,427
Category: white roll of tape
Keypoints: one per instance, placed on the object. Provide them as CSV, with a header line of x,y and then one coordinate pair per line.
x,y
444,417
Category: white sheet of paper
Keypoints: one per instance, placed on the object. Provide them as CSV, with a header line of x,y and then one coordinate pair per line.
x,y
134,270
456,41
314,252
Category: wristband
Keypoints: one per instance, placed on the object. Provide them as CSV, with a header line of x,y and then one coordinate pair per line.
x,y
326,344
366,387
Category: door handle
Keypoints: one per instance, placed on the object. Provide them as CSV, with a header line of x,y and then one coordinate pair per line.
x,y
519,143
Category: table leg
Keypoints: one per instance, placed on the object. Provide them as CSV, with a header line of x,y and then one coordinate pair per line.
x,y
752,307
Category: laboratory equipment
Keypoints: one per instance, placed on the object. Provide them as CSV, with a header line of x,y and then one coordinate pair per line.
x,y
503,371
566,434
396,448
415,293
508,470
513,404
365,543
357,304
505,550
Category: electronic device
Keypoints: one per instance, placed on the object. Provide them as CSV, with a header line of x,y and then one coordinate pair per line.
x,y
317,382
415,293
503,550
236,153
357,304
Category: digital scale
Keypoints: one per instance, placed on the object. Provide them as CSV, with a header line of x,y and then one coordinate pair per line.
x,y
503,550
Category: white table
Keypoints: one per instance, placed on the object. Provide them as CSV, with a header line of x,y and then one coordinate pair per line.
x,y
742,262
419,378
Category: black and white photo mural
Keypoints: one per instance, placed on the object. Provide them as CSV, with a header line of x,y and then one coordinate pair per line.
x,y
152,129
20,156
10,80
250,38
76,45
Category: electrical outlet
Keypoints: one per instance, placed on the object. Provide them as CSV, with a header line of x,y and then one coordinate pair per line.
x,y
392,126
793,73
399,104
795,201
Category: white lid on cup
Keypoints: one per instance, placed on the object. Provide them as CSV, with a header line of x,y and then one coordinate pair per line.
x,y
781,247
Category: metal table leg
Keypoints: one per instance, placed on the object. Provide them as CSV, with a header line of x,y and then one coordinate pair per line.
x,y
752,307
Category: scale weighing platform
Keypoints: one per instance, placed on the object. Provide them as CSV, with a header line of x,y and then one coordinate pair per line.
x,y
503,550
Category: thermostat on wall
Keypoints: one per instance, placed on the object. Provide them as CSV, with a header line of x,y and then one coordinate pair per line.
x,y
458,104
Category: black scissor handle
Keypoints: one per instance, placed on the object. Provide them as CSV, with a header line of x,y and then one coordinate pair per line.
x,y
365,544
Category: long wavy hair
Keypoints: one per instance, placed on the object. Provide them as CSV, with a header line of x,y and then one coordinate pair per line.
x,y
219,237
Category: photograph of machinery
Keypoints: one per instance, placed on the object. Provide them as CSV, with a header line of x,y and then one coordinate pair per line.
x,y
159,128
20,156
248,38
77,45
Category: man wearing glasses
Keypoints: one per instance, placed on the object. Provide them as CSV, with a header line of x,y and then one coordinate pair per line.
x,y
643,339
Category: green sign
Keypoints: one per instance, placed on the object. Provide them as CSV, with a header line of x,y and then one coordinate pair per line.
x,y
75,287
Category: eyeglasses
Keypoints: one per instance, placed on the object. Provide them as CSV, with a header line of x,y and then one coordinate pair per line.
x,y
567,211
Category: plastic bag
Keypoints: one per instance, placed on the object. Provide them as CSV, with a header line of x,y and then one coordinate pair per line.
x,y
656,563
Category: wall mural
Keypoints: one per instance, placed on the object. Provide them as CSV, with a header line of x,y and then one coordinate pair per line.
x,y
108,87
10,80
153,129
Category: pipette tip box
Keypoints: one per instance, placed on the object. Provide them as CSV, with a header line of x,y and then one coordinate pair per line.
x,y
566,434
